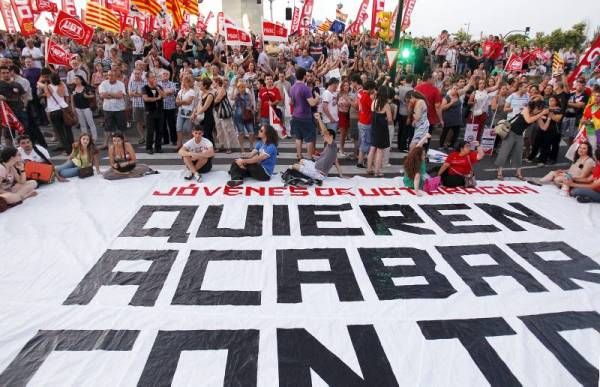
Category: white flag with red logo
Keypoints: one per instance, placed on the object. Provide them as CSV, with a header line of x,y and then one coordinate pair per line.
x,y
276,123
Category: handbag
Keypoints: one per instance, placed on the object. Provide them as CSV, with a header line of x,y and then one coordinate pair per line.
x,y
40,172
69,117
470,181
86,172
502,128
431,184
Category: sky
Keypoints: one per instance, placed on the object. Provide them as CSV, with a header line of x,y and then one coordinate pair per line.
x,y
431,16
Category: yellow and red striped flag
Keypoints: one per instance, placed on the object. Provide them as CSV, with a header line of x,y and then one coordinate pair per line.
x,y
98,16
151,7
325,26
190,6
174,8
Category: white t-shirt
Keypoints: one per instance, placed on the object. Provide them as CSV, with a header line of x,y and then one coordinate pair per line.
x,y
331,100
194,147
185,94
112,104
35,53
56,103
33,156
517,103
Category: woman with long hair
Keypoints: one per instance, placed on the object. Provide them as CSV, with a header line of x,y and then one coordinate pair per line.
x,y
511,151
205,107
243,114
55,93
84,155
380,135
419,119
223,116
415,167
344,102
123,161
80,101
14,186
185,100
260,163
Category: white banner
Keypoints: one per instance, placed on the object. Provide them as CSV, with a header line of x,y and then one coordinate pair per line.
x,y
488,139
471,132
158,281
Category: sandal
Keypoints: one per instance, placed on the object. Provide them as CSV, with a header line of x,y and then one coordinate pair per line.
x,y
378,174
520,177
500,177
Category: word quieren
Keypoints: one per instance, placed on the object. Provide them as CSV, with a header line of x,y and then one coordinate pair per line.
x,y
310,217
277,191
299,352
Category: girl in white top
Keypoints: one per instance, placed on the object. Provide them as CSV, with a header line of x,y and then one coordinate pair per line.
x,y
186,100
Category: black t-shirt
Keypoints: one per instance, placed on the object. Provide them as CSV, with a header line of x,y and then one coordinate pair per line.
x,y
576,112
178,58
80,101
563,98
154,106
13,92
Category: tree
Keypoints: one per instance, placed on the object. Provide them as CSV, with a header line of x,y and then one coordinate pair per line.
x,y
557,39
462,36
518,39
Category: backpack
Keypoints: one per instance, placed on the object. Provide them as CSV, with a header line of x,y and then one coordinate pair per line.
x,y
224,110
298,179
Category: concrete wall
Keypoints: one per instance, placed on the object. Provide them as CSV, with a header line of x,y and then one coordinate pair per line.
x,y
236,9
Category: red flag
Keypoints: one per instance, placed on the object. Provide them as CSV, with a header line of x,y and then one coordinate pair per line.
x,y
306,15
361,17
276,123
57,55
586,60
24,15
295,20
9,23
68,6
514,63
40,6
73,28
9,120
408,8
378,6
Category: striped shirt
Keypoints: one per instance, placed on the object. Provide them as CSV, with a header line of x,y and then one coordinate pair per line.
x,y
169,101
136,87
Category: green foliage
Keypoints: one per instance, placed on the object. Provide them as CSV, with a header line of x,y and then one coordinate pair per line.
x,y
557,39
518,39
462,36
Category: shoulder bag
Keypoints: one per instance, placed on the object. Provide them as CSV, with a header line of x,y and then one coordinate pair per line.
x,y
69,117
40,172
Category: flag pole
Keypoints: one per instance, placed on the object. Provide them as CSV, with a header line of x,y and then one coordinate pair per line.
x,y
397,32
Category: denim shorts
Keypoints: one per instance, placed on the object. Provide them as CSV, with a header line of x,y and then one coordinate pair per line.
x,y
364,135
304,129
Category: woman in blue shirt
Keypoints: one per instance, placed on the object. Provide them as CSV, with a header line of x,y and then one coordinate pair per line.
x,y
259,163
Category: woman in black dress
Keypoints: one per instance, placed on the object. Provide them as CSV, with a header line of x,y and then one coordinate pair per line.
x,y
380,135
205,106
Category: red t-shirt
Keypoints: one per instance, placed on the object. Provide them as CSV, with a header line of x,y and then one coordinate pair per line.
x,y
488,49
433,97
596,175
460,165
497,51
267,95
169,47
364,107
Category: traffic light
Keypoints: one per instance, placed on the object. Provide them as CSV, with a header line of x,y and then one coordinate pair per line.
x,y
407,50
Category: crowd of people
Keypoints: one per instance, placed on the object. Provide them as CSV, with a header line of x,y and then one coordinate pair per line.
x,y
328,90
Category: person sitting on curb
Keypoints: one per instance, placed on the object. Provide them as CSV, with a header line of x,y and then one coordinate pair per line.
x,y
260,163
83,155
123,161
14,186
319,169
588,189
36,153
197,154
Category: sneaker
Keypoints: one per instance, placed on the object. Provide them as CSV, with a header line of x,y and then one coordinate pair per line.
x,y
198,177
188,175
234,183
584,199
388,165
341,155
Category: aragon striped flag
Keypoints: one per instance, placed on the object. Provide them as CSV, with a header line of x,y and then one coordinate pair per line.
x,y
174,8
98,16
150,7
325,26
558,64
190,6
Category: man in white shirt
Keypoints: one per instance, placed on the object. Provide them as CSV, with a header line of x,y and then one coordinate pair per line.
x,y
30,51
263,61
138,42
197,155
113,93
329,105
38,154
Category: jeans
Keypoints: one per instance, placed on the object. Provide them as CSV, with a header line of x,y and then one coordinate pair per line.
x,y
332,126
86,120
184,124
364,133
68,169
587,192
241,126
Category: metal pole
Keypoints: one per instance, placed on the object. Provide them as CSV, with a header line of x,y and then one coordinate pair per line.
x,y
396,41
271,9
